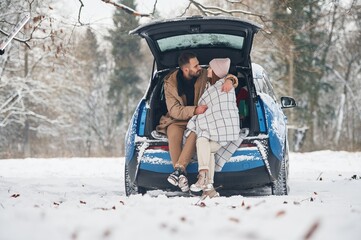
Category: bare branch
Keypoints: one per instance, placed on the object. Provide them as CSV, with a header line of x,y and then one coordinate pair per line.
x,y
209,9
21,112
338,75
25,41
186,9
240,2
9,103
214,10
154,7
128,9
199,6
81,6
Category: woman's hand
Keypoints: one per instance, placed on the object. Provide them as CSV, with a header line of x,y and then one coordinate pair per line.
x,y
227,85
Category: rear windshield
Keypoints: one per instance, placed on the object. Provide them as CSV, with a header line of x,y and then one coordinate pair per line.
x,y
208,40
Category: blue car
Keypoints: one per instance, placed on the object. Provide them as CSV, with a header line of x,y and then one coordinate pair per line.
x,y
262,158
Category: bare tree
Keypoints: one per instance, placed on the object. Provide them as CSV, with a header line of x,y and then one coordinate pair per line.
x,y
50,95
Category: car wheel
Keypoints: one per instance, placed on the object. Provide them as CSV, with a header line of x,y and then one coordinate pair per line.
x,y
280,186
130,187
142,190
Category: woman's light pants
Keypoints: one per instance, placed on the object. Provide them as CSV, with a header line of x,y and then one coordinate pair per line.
x,y
205,153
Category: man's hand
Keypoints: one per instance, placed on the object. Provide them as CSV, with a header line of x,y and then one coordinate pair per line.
x,y
200,109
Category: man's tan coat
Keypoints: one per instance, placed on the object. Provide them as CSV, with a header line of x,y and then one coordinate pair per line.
x,y
178,111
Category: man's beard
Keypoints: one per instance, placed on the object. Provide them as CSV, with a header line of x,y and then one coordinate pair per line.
x,y
195,74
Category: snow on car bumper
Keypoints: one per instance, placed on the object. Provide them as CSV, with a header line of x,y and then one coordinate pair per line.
x,y
158,161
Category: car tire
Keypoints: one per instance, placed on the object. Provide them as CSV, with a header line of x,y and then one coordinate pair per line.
x,y
142,190
130,187
280,186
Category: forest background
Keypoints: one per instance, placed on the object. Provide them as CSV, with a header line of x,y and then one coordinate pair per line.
x,y
68,88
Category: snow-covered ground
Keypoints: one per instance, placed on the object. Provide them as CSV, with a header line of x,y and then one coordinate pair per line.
x,y
84,199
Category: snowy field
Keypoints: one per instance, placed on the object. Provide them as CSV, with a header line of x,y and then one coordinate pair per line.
x,y
84,199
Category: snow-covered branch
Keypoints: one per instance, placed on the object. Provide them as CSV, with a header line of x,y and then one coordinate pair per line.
x,y
21,40
213,10
338,75
130,10
14,108
10,102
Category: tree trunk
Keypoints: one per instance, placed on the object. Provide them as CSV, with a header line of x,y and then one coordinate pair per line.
x,y
339,120
26,147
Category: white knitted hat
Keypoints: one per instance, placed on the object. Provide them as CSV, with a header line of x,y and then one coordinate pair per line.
x,y
220,66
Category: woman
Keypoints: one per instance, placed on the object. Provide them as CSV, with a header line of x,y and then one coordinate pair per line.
x,y
218,125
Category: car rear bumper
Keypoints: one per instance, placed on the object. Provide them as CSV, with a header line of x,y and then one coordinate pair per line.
x,y
249,167
255,177
246,169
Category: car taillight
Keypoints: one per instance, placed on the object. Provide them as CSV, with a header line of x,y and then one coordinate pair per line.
x,y
247,145
162,147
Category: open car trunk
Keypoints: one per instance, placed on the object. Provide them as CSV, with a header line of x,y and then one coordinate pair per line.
x,y
208,37
157,104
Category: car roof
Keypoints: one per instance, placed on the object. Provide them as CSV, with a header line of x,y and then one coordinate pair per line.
x,y
207,36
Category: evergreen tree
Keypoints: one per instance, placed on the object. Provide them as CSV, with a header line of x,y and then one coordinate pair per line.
x,y
126,54
96,123
299,23
89,57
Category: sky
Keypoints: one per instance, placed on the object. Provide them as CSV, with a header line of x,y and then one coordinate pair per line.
x,y
84,199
